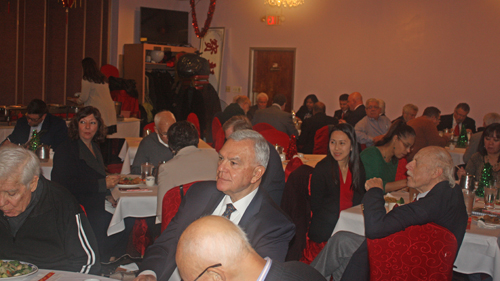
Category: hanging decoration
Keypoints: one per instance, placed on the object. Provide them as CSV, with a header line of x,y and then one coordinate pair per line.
x,y
210,14
285,3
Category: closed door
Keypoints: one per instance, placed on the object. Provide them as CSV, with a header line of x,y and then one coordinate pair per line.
x,y
273,72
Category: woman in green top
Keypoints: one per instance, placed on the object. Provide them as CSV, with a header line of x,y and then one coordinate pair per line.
x,y
381,160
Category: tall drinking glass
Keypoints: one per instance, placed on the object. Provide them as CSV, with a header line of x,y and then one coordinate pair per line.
x,y
469,196
490,193
146,170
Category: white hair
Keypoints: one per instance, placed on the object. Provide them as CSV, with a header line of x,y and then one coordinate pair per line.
x,y
491,118
262,94
16,160
261,147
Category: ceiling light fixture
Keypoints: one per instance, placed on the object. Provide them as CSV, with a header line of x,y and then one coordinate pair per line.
x,y
285,3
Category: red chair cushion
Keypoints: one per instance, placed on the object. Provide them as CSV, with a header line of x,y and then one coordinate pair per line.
x,y
171,202
321,139
216,125
420,252
259,127
193,118
110,70
276,137
220,137
150,126
401,171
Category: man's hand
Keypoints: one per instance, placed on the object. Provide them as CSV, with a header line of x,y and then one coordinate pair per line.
x,y
145,277
342,121
374,183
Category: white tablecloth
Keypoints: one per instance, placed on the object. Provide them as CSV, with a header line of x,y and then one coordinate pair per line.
x,y
47,168
129,127
5,131
457,154
129,150
479,252
131,204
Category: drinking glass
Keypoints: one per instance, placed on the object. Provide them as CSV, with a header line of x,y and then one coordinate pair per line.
x,y
146,170
489,197
469,197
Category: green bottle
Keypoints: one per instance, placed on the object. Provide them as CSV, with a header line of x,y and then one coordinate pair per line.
x,y
462,138
484,181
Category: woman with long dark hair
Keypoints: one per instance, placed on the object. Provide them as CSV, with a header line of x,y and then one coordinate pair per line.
x,y
95,92
337,183
382,159
488,152
306,110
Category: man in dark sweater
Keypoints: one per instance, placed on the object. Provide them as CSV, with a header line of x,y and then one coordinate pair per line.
x,y
311,125
41,222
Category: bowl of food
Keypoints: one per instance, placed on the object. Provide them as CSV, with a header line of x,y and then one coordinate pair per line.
x,y
14,269
392,202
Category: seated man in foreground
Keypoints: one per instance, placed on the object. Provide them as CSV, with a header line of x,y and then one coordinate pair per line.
x,y
154,148
199,253
236,195
440,201
41,222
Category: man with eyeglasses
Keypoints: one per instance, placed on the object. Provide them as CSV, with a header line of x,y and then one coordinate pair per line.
x,y
454,121
237,194
154,147
373,126
52,129
200,256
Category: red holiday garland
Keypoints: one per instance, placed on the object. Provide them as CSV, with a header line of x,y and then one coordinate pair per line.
x,y
210,14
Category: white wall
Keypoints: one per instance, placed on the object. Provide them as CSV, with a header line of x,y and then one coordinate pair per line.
x,y
425,52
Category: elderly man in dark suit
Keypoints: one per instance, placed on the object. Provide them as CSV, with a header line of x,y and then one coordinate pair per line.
x,y
262,99
454,121
52,129
440,201
276,116
199,253
313,124
355,102
237,195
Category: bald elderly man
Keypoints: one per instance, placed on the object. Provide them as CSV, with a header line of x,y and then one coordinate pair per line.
x,y
440,201
154,148
355,102
217,249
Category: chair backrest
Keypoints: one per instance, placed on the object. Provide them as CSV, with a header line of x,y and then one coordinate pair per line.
x,y
420,252
216,125
276,137
296,204
401,171
259,127
110,70
220,137
193,118
171,202
150,127
291,166
321,139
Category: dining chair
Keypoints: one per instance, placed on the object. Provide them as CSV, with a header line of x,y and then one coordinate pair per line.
x,y
171,202
276,137
150,127
259,127
321,139
420,252
193,118
216,125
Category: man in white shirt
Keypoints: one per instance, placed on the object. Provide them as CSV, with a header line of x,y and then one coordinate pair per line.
x,y
217,249
236,195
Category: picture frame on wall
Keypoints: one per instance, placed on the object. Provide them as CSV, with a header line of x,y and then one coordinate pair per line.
x,y
212,49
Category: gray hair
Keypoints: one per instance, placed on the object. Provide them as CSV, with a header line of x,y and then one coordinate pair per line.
x,y
160,115
261,147
491,118
262,94
16,160
372,100
410,107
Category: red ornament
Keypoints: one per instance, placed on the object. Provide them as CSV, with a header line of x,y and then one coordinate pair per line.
x,y
210,14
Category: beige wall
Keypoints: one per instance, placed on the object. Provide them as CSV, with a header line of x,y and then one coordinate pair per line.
x,y
425,52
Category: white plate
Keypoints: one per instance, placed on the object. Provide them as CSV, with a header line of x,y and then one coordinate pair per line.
x,y
128,185
33,267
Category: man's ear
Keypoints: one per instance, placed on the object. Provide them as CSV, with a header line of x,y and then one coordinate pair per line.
x,y
216,274
258,172
436,173
33,184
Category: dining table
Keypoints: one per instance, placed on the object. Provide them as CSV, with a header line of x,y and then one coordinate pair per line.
x,y
479,253
5,131
61,275
129,150
127,128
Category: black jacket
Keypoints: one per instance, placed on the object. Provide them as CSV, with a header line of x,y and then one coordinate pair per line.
x,y
325,199
447,122
56,234
356,115
309,128
55,127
